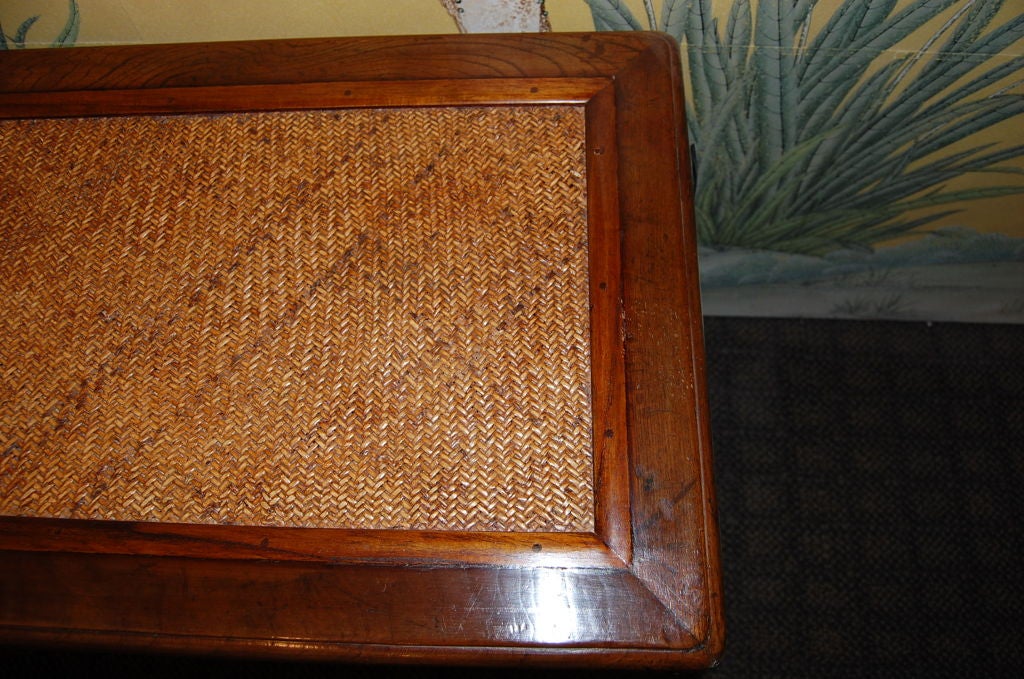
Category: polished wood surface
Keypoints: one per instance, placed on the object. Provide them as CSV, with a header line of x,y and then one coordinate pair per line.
x,y
642,591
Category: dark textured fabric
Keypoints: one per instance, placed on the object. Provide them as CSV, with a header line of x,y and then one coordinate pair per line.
x,y
870,480
870,491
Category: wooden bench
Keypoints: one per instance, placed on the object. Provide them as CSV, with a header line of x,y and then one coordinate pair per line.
x,y
381,349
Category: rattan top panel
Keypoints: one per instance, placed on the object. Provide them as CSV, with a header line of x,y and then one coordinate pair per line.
x,y
354,319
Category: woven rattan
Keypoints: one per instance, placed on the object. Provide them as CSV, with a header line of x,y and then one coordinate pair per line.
x,y
354,319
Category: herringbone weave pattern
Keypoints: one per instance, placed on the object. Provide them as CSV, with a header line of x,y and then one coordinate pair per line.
x,y
356,319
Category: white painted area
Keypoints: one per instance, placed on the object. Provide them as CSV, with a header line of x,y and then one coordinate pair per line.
x,y
498,16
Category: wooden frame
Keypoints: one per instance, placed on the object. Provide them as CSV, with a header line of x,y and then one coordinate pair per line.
x,y
642,590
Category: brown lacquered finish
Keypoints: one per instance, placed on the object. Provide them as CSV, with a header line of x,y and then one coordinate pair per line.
x,y
641,590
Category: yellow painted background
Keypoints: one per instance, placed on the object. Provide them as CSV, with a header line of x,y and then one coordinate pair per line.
x,y
157,21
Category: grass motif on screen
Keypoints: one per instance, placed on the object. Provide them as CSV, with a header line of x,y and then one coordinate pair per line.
x,y
812,141
66,38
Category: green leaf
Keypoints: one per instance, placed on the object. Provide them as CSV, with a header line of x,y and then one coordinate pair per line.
x,y
993,111
900,185
612,15
839,33
717,132
776,88
980,14
738,33
894,229
858,231
802,11
706,70
673,18
1002,170
862,106
947,69
982,81
865,42
69,35
928,46
771,187
914,138
867,141
958,196
769,64
652,22
22,32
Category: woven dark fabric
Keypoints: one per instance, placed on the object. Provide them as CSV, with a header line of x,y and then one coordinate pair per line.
x,y
869,480
870,484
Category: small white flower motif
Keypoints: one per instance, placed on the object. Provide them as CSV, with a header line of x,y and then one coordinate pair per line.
x,y
499,16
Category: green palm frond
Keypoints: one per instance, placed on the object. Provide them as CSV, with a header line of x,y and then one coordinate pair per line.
x,y
708,77
738,34
67,36
612,15
808,140
19,36
22,33
674,18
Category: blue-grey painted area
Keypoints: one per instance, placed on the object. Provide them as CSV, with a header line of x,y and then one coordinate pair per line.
x,y
951,274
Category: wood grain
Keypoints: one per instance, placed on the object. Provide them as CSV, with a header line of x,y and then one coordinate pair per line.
x,y
411,59
643,590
